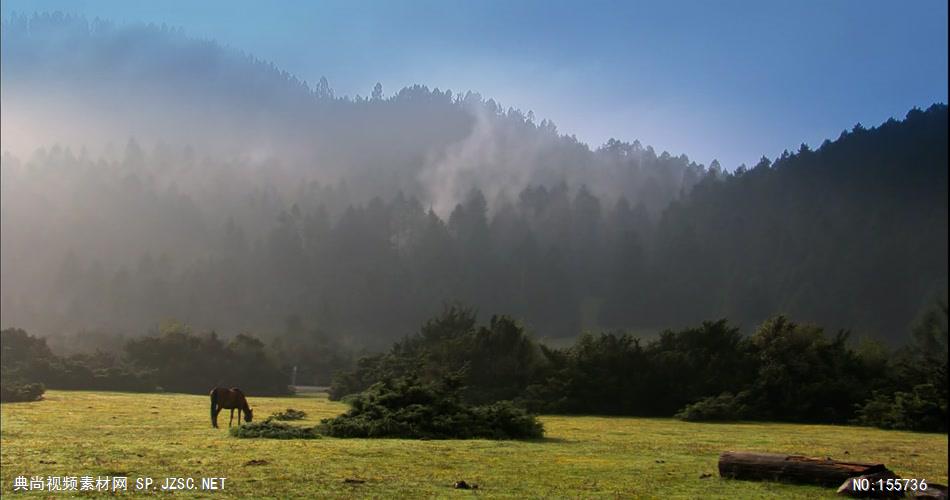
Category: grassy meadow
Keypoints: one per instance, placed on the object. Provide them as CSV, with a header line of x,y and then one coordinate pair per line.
x,y
162,435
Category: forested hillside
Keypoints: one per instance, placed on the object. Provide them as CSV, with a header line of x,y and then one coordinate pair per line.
x,y
361,216
852,235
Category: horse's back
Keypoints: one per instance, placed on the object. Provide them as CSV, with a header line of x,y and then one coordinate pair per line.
x,y
228,398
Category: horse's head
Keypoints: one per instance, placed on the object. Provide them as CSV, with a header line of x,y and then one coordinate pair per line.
x,y
248,415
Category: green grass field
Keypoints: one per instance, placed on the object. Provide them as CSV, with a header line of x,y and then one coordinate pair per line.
x,y
162,435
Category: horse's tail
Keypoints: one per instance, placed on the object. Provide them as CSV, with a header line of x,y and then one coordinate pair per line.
x,y
214,402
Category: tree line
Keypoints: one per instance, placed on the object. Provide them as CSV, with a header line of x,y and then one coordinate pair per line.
x,y
783,371
173,360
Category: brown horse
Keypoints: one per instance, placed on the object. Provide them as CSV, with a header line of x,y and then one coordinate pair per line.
x,y
232,399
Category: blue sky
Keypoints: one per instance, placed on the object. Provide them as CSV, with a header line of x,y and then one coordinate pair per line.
x,y
731,80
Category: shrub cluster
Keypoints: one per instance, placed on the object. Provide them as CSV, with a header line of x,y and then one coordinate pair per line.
x,y
273,430
915,397
13,392
407,407
496,362
922,409
722,408
288,414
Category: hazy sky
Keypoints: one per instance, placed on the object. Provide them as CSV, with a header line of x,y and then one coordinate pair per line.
x,y
712,79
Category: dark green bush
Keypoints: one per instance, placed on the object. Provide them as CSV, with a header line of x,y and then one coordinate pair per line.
x,y
273,430
182,361
409,408
915,397
496,361
923,409
722,408
11,392
503,420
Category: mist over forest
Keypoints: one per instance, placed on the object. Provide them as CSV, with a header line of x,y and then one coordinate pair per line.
x,y
148,176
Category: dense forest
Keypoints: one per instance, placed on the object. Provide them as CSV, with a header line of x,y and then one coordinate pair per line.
x,y
325,218
853,235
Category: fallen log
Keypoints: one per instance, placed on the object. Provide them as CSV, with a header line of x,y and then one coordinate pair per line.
x,y
791,468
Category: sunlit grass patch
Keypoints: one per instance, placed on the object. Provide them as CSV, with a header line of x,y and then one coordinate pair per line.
x,y
165,435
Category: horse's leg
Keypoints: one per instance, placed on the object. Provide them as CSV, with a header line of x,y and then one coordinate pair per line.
x,y
215,406
232,418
